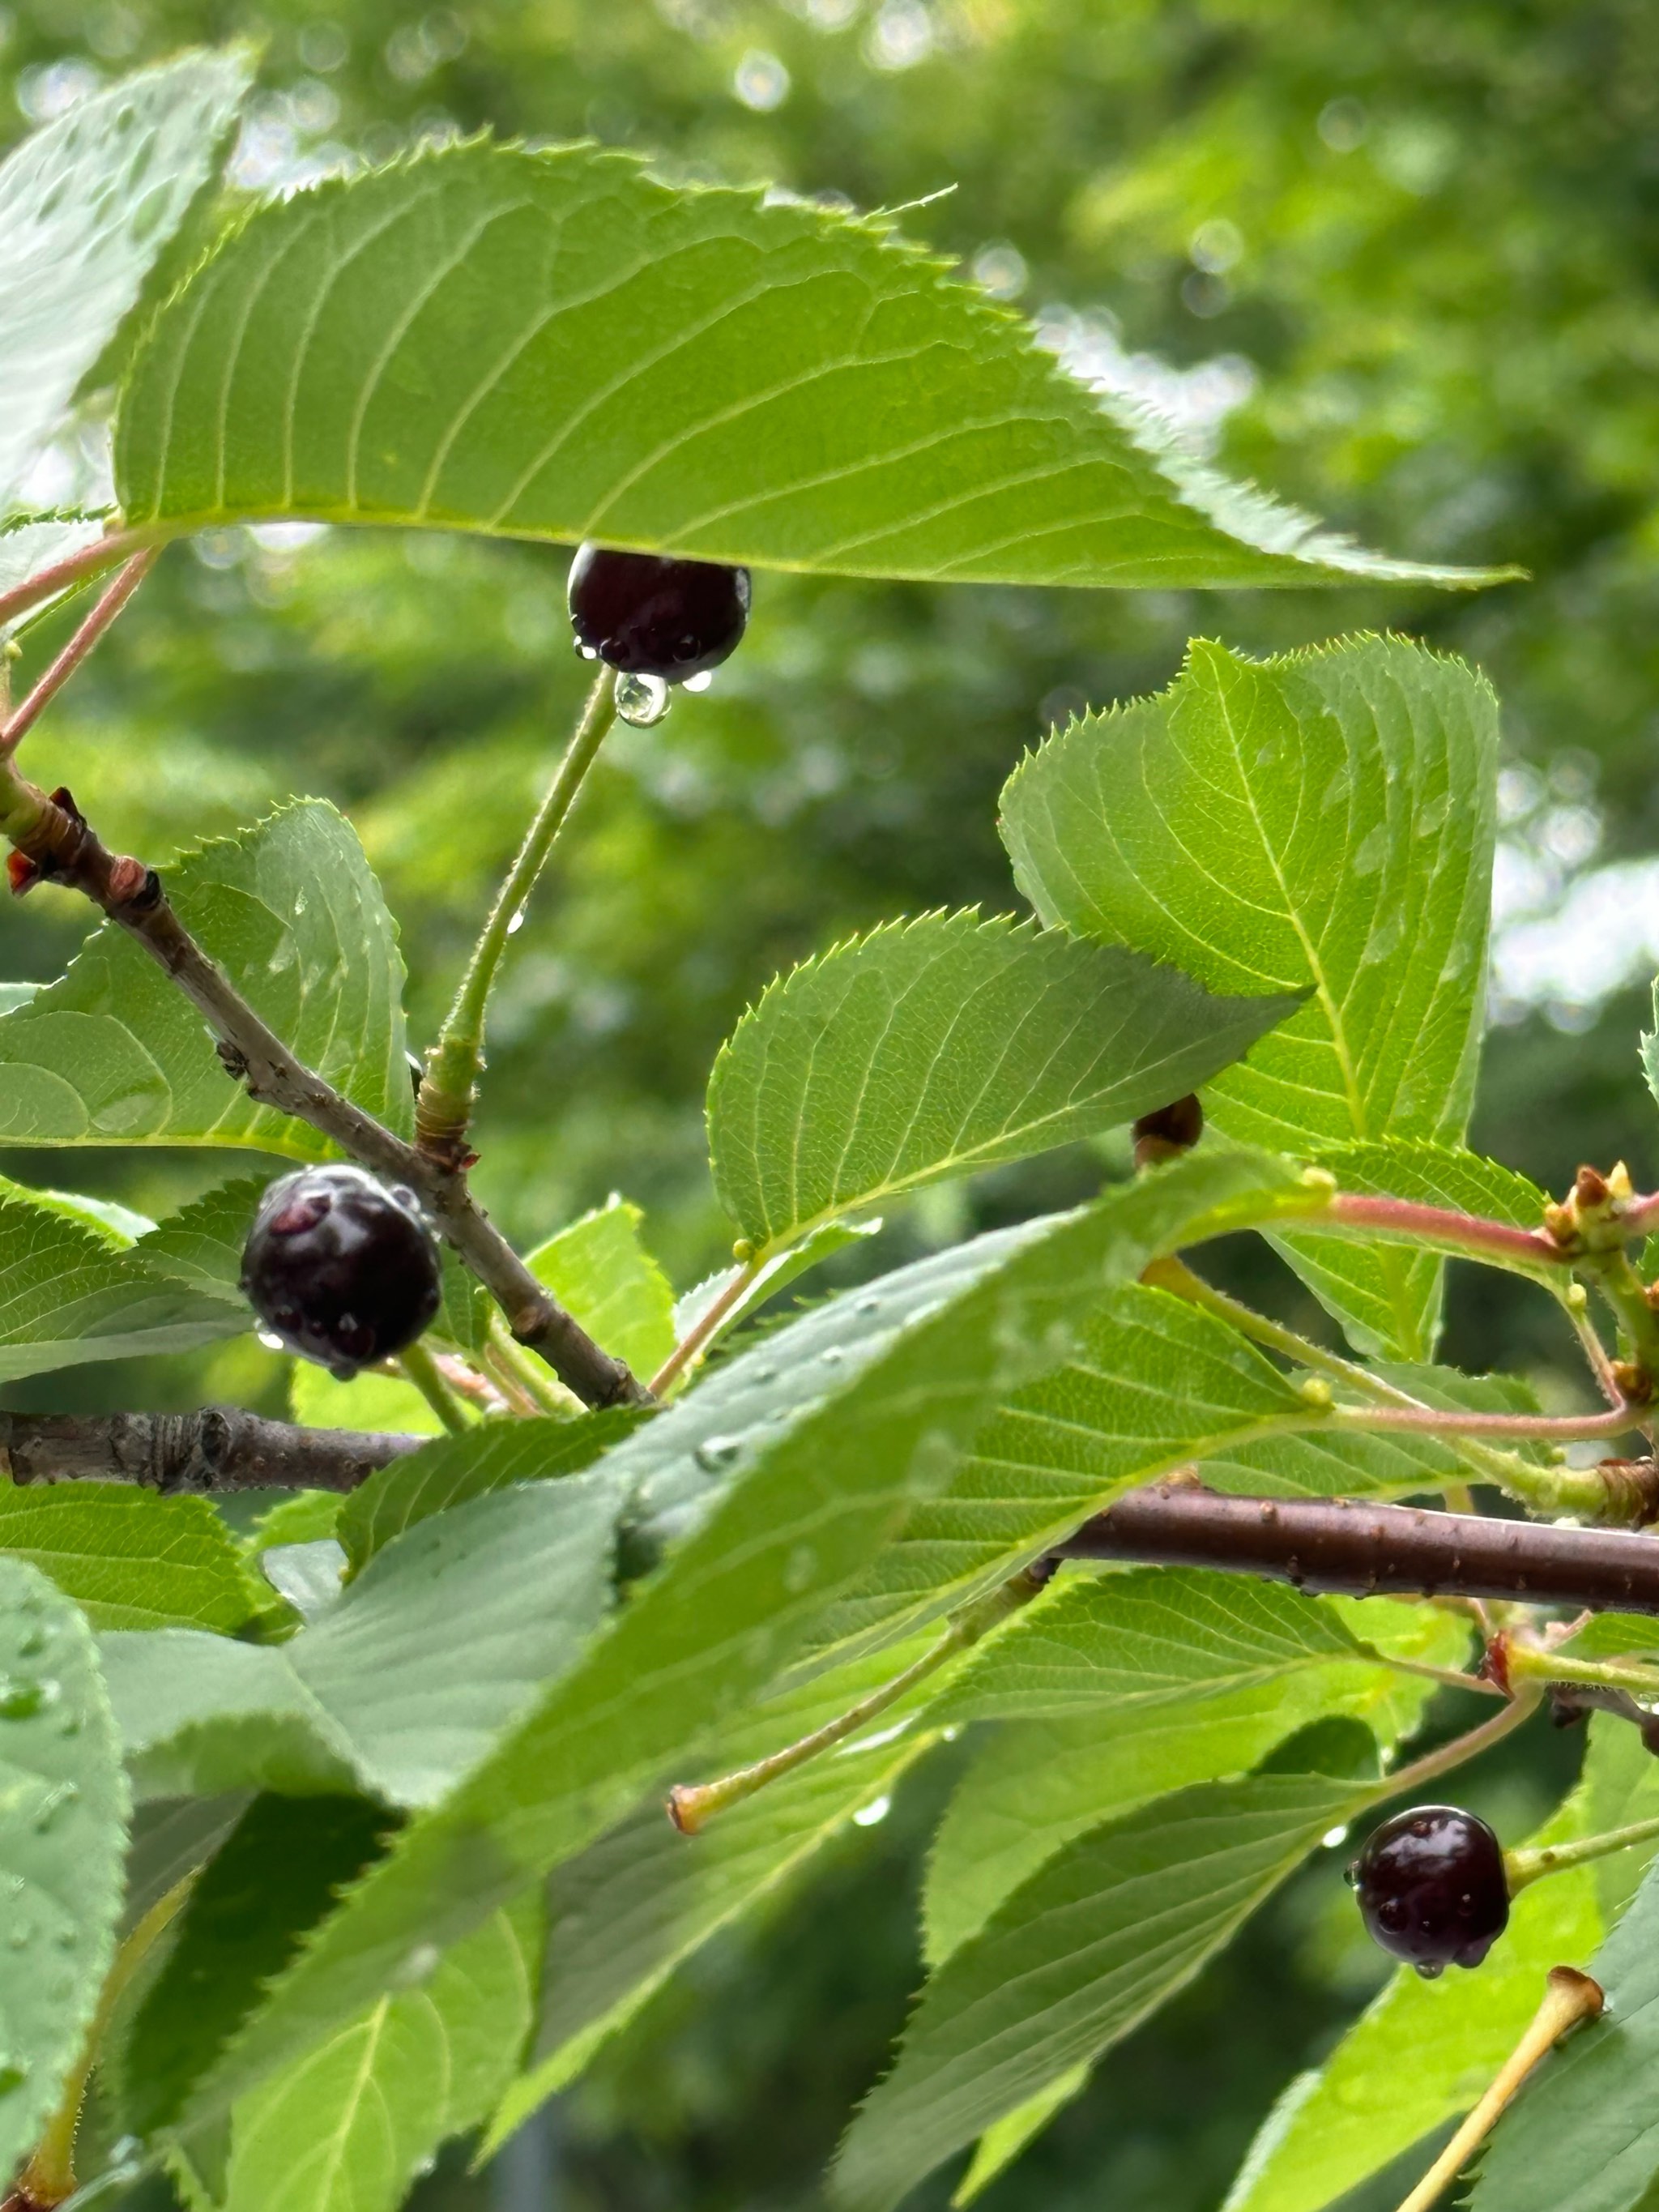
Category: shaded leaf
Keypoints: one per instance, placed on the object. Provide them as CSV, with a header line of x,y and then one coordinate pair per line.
x,y
554,345
114,1055
63,1814
1322,822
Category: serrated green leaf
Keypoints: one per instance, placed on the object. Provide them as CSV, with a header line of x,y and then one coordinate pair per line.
x,y
69,1293
1036,1785
933,1047
113,1054
273,1877
1649,1049
62,1827
1004,2139
385,1404
350,2126
1324,820
1423,2051
786,1516
87,206
402,1682
446,1474
1152,1638
600,1270
1157,1382
128,1557
625,1913
554,345
1104,1933
201,1243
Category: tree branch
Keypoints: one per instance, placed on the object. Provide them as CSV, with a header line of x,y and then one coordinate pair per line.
x,y
1355,1550
215,1450
54,843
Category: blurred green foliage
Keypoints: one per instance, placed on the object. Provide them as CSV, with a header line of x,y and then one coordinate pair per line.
x,y
1417,245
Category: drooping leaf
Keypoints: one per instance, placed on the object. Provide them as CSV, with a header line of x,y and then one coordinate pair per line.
x,y
128,1557
554,345
1320,823
63,1819
785,1518
87,206
1158,1637
447,1473
933,1047
114,1055
625,1913
600,1270
1104,1933
1036,1783
347,2126
70,1294
273,1877
404,1680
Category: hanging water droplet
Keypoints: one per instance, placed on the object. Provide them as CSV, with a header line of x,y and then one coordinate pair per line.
x,y
588,652
516,923
715,1452
642,700
868,1815
1431,1969
699,682
270,1341
833,1354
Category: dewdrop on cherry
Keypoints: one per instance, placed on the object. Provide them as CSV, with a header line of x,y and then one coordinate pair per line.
x,y
656,621
1432,1887
341,1267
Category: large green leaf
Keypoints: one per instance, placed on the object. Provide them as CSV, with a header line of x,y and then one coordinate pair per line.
x,y
932,1047
1424,2050
625,1913
350,2126
554,345
1036,1783
63,1812
1152,1638
87,206
69,1293
785,1515
1103,1934
405,1681
113,1054
600,1270
1321,822
129,1558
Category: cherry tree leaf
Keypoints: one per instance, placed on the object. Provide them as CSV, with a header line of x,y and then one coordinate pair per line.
x,y
554,344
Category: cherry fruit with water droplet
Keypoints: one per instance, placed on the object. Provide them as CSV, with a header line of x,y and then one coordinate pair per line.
x,y
1432,1887
649,616
341,1267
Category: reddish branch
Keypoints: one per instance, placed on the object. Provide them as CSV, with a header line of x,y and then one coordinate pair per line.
x,y
1354,1550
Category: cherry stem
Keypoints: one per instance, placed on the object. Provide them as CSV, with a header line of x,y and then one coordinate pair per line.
x,y
109,605
64,574
708,1325
1431,1420
1450,1756
1568,1998
449,1089
1447,1230
1525,1664
691,1807
1523,1866
424,1371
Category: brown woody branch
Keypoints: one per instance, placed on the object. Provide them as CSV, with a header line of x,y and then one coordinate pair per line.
x,y
1354,1550
215,1450
53,842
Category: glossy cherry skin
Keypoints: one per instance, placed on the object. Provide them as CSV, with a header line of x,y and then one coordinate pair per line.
x,y
1432,1887
648,616
342,1267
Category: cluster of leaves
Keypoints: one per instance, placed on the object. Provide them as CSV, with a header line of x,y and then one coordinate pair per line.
x,y
394,1765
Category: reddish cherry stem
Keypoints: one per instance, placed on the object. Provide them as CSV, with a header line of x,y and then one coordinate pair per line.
x,y
79,646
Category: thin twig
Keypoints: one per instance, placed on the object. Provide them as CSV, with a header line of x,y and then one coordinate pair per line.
x,y
63,575
108,607
444,1107
56,845
706,1327
1444,1229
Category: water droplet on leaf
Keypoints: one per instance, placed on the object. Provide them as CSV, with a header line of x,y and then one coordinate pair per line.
x,y
716,1452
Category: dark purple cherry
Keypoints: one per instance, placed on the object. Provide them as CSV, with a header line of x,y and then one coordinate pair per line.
x,y
1432,1887
341,1267
648,616
1169,1132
